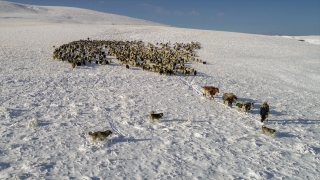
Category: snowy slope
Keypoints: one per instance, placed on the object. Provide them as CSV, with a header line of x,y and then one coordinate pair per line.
x,y
47,108
22,13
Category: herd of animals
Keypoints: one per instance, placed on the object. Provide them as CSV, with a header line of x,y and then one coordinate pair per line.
x,y
241,105
160,58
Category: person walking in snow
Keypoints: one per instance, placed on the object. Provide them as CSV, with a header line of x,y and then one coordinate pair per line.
x,y
264,111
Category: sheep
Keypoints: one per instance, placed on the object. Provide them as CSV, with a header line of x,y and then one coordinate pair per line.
x,y
136,53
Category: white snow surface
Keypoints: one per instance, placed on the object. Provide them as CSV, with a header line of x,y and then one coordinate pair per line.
x,y
15,13
47,107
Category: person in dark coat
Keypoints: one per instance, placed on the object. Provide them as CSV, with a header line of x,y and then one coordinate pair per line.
x,y
264,111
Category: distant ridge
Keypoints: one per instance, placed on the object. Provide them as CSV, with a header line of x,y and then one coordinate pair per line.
x,y
60,14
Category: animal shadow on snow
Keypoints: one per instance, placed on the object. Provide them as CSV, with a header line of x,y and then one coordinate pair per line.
x,y
95,178
298,121
4,165
91,178
134,68
174,120
316,149
93,65
182,120
43,123
125,140
275,113
284,135
26,176
14,113
192,75
247,99
201,74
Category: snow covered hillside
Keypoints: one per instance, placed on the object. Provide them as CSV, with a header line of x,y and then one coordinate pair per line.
x,y
47,107
12,13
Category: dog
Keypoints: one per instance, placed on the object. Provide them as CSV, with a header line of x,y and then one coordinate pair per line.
x,y
157,116
244,106
268,130
210,90
99,134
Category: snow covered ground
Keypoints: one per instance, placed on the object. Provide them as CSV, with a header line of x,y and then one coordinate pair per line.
x,y
47,108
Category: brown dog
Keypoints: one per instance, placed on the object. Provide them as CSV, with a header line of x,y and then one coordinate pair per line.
x,y
210,90
99,134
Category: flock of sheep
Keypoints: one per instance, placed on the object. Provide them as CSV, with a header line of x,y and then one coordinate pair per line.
x,y
160,58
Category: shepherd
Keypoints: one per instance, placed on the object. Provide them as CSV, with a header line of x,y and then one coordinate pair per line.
x,y
264,111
